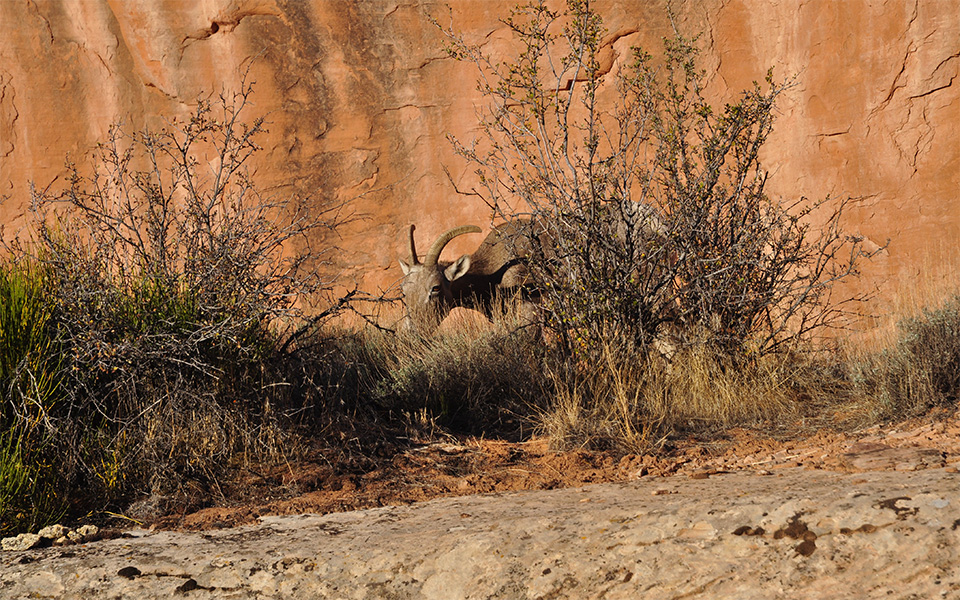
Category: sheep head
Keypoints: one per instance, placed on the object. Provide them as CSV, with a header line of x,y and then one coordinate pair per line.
x,y
426,285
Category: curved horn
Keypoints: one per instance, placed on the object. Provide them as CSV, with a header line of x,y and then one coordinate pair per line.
x,y
413,247
433,254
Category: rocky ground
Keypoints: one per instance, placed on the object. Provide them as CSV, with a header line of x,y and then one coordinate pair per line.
x,y
868,515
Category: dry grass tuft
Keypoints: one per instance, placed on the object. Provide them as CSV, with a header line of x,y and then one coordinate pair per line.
x,y
632,402
470,376
919,371
906,361
601,404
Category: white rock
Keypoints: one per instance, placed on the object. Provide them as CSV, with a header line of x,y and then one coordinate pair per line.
x,y
84,533
52,532
24,541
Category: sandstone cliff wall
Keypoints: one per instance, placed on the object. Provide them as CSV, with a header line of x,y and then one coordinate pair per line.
x,y
361,98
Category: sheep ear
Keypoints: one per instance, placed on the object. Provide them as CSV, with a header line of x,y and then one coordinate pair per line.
x,y
404,266
458,268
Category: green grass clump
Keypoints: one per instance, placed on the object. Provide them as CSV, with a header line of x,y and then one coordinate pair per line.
x,y
29,345
30,495
30,399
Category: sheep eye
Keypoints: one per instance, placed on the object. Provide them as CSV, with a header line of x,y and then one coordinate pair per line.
x,y
435,289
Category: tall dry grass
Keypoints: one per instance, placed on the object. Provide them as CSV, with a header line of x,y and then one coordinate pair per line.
x,y
928,282
631,401
903,360
918,370
470,376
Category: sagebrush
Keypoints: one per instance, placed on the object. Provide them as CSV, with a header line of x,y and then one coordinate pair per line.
x,y
649,202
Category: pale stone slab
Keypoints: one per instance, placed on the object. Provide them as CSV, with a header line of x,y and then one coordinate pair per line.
x,y
794,534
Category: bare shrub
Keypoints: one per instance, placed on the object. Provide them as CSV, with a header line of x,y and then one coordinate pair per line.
x,y
177,282
652,230
649,202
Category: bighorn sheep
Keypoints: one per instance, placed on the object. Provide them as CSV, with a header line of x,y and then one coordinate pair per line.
x,y
498,266
432,288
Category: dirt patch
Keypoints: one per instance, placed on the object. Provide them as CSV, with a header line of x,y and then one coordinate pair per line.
x,y
459,467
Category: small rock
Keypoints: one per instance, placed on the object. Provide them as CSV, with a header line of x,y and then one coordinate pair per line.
x,y
806,548
84,533
699,531
129,572
62,541
878,457
24,541
865,528
88,530
53,532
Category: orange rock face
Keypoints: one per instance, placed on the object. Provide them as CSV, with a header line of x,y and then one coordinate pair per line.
x,y
361,99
